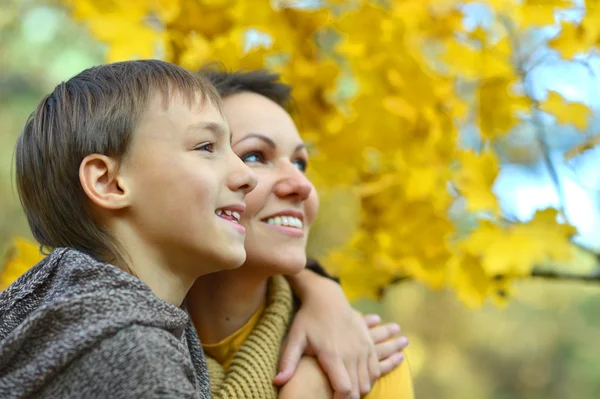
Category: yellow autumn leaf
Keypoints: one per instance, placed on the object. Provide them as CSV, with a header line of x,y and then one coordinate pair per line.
x,y
516,249
581,148
492,61
552,238
566,112
539,13
571,40
475,179
498,106
469,280
501,252
398,106
22,255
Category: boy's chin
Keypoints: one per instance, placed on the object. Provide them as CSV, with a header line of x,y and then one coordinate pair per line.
x,y
233,259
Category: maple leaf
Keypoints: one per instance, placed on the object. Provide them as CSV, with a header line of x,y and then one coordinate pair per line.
x,y
574,113
572,40
498,106
580,148
539,13
22,255
469,280
475,179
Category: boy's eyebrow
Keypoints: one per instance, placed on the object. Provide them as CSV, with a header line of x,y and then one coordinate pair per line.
x,y
214,127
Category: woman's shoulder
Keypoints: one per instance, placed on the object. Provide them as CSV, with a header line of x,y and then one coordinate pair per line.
x,y
397,384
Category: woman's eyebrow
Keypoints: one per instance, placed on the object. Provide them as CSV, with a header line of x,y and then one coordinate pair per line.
x,y
267,140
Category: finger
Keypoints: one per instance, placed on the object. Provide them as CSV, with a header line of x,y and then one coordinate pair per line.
x,y
373,362
372,320
338,376
384,332
391,363
352,368
388,348
292,351
364,378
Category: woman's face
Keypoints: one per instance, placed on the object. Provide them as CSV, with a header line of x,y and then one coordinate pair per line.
x,y
284,204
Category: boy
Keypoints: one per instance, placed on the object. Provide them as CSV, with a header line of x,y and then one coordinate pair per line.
x,y
126,170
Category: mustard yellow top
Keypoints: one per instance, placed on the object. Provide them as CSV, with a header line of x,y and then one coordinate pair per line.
x,y
224,351
395,385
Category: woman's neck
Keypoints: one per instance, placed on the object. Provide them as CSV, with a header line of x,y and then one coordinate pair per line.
x,y
221,303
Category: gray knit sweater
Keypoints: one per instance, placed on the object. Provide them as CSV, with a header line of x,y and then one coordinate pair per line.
x,y
72,327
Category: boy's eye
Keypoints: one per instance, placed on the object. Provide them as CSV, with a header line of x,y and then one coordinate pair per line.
x,y
253,157
210,147
301,164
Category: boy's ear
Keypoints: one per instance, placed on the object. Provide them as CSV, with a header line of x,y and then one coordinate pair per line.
x,y
101,182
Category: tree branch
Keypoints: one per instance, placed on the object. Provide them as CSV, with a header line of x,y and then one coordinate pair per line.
x,y
535,274
555,275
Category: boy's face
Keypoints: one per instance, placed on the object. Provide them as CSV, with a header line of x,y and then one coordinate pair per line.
x,y
187,185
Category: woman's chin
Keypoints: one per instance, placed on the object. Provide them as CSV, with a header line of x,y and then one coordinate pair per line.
x,y
281,265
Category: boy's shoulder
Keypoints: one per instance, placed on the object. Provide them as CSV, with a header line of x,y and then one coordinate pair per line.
x,y
68,305
137,362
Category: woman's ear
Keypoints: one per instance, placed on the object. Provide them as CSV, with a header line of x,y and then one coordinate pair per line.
x,y
101,182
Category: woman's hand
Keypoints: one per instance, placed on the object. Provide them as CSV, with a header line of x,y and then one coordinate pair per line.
x,y
327,327
388,344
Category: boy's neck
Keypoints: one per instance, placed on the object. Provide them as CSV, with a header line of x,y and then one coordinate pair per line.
x,y
222,303
169,279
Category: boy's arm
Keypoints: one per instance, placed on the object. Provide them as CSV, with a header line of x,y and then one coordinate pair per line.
x,y
137,362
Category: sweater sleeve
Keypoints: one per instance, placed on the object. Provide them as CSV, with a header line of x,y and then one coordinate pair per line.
x,y
137,362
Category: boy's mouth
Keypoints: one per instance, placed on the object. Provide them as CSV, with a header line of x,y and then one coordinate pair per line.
x,y
232,214
228,214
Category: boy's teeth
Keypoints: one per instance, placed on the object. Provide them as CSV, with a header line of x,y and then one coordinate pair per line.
x,y
219,212
235,215
286,221
227,212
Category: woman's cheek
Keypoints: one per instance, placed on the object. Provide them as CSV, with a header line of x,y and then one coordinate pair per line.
x,y
312,207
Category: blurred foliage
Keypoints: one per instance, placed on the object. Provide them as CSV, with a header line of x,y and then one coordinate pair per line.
x,y
384,90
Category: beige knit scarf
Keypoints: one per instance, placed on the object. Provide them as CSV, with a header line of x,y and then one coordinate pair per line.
x,y
254,366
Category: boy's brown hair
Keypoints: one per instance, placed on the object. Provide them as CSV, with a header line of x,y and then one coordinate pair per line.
x,y
94,112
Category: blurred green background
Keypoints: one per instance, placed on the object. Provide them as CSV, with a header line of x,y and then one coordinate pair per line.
x,y
544,344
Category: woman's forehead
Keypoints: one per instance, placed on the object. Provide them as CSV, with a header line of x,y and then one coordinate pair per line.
x,y
251,113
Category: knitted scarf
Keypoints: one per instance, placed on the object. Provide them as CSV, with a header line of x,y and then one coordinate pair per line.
x,y
254,366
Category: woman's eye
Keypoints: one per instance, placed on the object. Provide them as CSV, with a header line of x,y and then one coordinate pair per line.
x,y
210,147
301,164
253,157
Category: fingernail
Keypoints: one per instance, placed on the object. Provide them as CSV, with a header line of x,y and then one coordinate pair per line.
x,y
398,358
375,318
403,341
395,328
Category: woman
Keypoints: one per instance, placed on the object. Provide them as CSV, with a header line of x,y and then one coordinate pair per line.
x,y
242,333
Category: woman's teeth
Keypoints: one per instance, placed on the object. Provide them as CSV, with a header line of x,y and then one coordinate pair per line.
x,y
233,214
286,221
